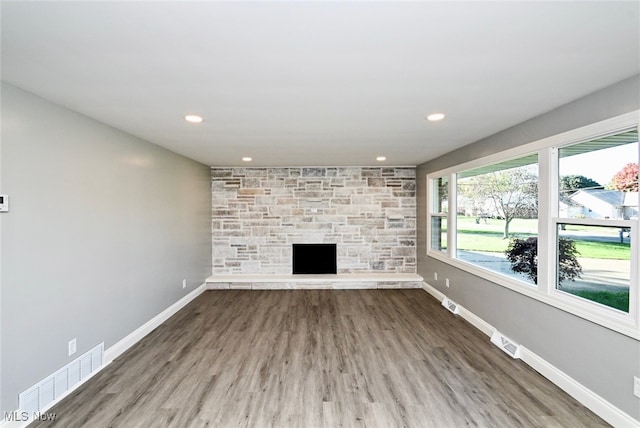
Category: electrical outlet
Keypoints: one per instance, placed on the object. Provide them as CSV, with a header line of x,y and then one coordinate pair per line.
x,y
72,347
184,283
446,282
435,276
636,386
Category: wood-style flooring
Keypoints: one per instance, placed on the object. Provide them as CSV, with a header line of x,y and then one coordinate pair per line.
x,y
318,358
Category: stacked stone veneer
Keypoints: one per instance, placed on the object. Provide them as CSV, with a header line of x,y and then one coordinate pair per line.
x,y
257,213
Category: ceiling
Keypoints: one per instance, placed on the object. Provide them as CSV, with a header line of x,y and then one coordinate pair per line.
x,y
316,83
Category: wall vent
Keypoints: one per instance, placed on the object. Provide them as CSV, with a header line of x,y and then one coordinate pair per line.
x,y
506,344
40,396
451,306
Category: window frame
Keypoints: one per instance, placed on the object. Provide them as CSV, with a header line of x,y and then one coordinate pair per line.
x,y
454,240
432,194
548,219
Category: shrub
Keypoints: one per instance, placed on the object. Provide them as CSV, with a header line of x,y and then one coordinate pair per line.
x,y
523,256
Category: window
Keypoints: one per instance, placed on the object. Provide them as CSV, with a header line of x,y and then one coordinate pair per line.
x,y
593,264
556,220
597,210
439,208
496,204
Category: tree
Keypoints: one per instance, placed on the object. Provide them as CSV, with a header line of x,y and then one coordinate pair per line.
x,y
443,194
569,184
512,193
523,255
625,180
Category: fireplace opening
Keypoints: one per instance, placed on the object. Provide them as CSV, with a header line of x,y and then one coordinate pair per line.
x,y
314,259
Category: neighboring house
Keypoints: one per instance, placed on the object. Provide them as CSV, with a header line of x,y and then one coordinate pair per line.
x,y
598,203
630,205
570,208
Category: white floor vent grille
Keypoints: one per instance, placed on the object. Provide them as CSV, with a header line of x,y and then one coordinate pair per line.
x,y
506,344
41,395
451,306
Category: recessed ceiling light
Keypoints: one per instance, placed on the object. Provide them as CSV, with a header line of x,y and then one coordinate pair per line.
x,y
192,118
381,158
434,117
247,159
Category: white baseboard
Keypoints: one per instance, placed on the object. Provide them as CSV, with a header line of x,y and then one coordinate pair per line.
x,y
127,342
467,315
584,395
433,291
598,405
116,350
476,321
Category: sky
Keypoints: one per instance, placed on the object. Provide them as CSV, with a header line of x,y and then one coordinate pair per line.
x,y
600,165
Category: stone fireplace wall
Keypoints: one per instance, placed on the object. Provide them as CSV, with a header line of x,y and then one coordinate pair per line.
x,y
257,213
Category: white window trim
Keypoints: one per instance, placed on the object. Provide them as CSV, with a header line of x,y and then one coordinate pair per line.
x,y
430,225
545,291
632,225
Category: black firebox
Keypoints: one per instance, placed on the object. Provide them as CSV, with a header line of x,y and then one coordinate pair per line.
x,y
314,259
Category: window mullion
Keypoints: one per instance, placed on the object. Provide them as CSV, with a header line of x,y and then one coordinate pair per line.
x,y
547,210
453,214
634,291
429,199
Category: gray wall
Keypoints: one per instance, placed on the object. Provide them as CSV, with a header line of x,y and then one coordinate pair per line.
x,y
600,359
102,230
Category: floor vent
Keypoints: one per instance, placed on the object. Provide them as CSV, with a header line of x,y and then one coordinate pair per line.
x,y
506,344
41,395
451,306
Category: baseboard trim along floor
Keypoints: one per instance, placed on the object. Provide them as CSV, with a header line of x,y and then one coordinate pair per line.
x,y
588,398
109,355
584,395
127,342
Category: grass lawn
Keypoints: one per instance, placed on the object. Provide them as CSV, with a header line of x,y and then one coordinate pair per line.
x,y
617,300
488,237
603,250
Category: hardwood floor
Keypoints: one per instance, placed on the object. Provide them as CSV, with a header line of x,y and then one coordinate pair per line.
x,y
318,358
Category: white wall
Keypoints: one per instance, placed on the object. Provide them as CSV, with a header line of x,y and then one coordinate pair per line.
x,y
102,230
